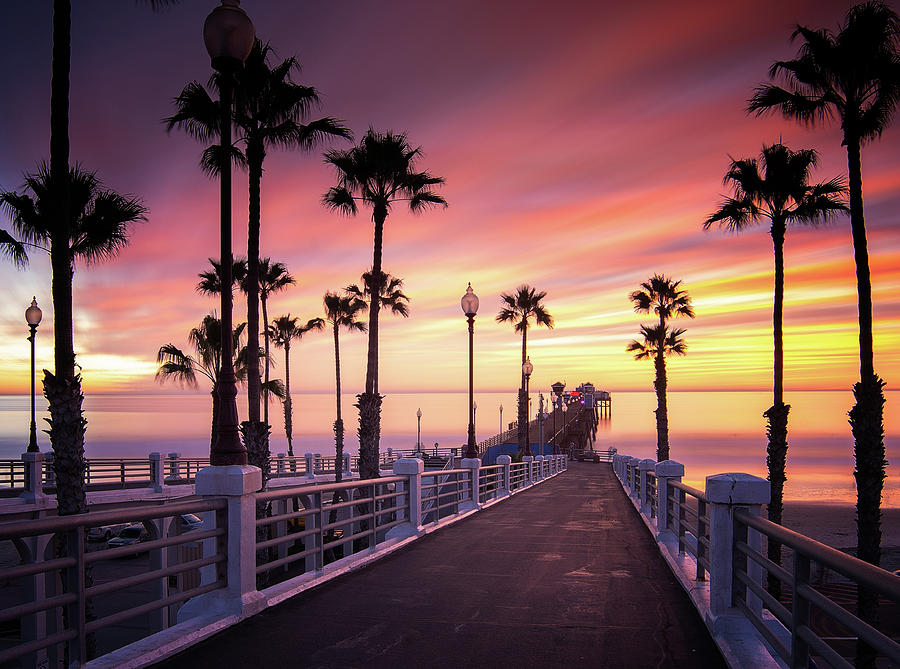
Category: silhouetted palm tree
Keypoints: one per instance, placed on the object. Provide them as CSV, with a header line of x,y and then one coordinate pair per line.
x,y
522,305
341,311
392,296
211,280
378,172
853,75
776,188
283,331
268,112
206,340
97,228
273,278
659,342
665,298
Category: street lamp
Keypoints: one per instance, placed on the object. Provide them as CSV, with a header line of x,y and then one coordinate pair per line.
x,y
33,318
469,304
228,34
501,419
419,430
524,408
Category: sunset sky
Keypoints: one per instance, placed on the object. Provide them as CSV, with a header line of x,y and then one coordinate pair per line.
x,y
582,143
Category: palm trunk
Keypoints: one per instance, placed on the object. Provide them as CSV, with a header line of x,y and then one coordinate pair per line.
x,y
370,401
777,415
339,422
265,331
662,411
867,415
522,414
215,416
255,155
288,405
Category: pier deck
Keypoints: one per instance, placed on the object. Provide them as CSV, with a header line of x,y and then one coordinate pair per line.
x,y
564,574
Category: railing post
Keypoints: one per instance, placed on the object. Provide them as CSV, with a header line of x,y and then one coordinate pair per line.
x,y
174,468
156,472
280,467
505,461
310,469
633,480
725,493
48,466
667,471
645,466
529,470
412,469
538,468
238,484
34,478
346,463
474,465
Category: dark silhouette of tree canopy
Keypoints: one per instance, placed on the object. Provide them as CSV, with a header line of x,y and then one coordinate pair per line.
x,y
519,308
775,188
269,110
665,298
378,172
854,76
97,228
341,311
211,279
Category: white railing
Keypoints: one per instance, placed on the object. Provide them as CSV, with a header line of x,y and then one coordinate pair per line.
x,y
253,550
711,540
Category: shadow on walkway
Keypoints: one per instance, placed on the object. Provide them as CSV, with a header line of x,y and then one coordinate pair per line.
x,y
562,575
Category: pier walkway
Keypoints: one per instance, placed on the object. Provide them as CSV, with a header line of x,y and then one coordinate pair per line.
x,y
564,574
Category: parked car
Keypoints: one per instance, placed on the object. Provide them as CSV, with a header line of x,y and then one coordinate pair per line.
x,y
103,533
131,534
190,521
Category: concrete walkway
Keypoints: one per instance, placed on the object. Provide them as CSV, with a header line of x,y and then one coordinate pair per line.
x,y
563,575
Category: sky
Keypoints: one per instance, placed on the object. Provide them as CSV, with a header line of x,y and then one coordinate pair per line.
x,y
582,143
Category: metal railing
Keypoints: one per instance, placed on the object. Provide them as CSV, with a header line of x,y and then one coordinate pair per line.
x,y
443,494
691,523
64,581
805,641
490,480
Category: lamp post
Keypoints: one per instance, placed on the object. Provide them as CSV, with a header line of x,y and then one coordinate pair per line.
x,y
469,304
228,34
524,413
33,318
501,420
418,430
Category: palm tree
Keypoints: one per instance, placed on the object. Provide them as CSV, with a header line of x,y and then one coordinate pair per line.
x,y
378,172
526,302
853,75
283,331
273,278
180,367
776,188
341,311
659,342
268,110
97,228
211,279
663,297
392,296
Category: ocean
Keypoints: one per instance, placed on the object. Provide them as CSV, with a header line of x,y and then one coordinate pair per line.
x,y
709,432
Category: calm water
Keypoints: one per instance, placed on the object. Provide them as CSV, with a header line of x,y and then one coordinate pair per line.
x,y
709,432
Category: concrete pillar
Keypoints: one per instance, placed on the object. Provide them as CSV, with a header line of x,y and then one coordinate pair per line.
x,y
237,483
725,493
156,472
633,480
505,461
529,469
34,478
538,468
174,467
474,465
412,468
645,466
347,473
667,471
310,468
280,464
